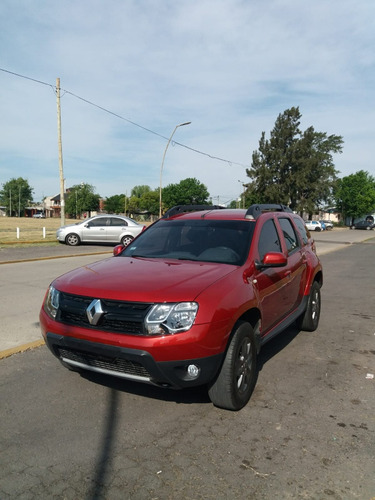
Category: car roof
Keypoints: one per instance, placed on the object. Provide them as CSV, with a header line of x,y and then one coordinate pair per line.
x,y
223,213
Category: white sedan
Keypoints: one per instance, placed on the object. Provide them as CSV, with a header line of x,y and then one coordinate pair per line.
x,y
100,229
313,225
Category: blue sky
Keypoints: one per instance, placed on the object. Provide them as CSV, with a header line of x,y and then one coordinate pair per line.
x,y
228,66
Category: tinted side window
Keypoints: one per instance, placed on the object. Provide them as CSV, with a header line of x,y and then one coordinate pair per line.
x,y
101,221
118,222
269,239
290,236
302,230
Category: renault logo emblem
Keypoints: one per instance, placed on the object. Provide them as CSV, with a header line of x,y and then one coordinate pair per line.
x,y
94,312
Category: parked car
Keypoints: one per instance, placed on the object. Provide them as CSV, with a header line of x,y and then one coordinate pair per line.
x,y
190,302
100,229
328,224
363,224
313,225
39,215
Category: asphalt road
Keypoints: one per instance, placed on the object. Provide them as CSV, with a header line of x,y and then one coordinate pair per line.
x,y
26,273
307,433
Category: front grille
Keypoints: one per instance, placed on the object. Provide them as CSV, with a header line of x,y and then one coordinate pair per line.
x,y
101,363
118,317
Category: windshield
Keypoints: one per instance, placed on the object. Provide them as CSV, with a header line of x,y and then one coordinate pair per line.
x,y
223,241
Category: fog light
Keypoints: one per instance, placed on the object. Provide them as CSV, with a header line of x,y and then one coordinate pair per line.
x,y
193,371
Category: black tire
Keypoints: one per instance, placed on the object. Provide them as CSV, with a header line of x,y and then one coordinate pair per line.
x,y
309,320
72,239
318,229
238,375
125,240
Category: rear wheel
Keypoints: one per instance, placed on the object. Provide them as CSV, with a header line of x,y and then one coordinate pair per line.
x,y
72,239
237,378
125,240
309,320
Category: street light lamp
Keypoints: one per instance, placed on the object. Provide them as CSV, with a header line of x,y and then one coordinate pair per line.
x,y
162,163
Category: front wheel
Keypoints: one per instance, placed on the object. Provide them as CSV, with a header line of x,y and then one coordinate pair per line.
x,y
72,239
309,320
238,375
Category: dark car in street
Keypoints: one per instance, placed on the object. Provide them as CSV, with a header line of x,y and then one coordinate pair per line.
x,y
190,301
363,224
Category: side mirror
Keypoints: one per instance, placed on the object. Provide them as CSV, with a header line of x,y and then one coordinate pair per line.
x,y
272,259
118,250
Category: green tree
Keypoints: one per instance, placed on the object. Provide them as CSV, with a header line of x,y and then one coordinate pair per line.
x,y
188,191
293,167
150,202
115,204
81,198
16,195
355,195
139,191
133,205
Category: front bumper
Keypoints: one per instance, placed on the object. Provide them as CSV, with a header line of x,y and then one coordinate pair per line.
x,y
131,364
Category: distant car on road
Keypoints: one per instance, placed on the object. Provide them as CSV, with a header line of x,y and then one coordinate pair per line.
x,y
313,225
363,224
328,224
100,229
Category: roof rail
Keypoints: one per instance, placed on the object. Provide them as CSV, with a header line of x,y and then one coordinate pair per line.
x,y
254,211
179,209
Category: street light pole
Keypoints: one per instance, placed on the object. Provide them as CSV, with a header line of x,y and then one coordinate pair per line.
x,y
243,195
162,163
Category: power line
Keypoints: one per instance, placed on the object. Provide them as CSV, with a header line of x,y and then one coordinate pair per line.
x,y
27,78
213,157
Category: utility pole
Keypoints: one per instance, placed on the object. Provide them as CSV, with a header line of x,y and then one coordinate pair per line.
x,y
62,189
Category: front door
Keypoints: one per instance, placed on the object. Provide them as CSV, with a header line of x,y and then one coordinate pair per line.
x,y
271,282
95,230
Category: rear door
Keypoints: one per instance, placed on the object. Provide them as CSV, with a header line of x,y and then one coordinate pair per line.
x,y
296,271
116,227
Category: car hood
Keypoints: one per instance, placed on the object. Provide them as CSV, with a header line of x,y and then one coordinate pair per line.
x,y
143,280
70,226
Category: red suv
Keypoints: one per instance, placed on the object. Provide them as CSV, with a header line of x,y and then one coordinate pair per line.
x,y
190,301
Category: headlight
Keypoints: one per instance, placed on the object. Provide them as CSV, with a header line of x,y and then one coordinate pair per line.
x,y
171,318
51,304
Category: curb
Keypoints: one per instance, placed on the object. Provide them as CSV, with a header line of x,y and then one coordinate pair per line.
x,y
36,343
21,348
54,257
